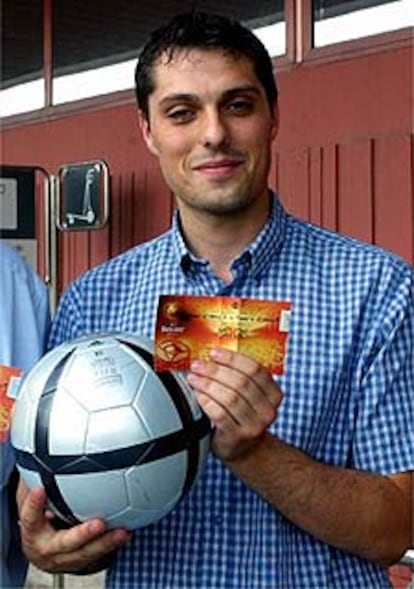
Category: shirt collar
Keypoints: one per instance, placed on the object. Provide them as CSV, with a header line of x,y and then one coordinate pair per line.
x,y
258,253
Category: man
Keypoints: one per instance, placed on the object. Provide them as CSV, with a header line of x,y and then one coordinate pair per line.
x,y
24,320
309,481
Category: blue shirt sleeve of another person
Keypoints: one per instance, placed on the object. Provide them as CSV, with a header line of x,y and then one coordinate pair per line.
x,y
24,321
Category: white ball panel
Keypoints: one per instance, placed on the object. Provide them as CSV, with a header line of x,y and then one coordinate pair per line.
x,y
35,382
156,409
117,427
132,519
67,426
146,483
30,477
95,375
23,424
82,495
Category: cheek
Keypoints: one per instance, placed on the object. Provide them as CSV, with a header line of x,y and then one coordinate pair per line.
x,y
173,148
173,158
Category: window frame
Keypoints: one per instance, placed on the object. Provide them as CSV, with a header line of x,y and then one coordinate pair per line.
x,y
299,53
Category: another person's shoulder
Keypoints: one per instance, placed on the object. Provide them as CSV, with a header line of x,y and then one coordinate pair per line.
x,y
14,267
11,260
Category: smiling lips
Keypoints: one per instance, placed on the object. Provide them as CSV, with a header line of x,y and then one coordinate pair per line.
x,y
219,168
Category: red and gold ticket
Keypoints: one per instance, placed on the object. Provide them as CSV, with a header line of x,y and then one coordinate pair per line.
x,y
7,373
189,327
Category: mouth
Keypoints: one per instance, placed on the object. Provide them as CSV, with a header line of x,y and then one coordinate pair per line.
x,y
221,168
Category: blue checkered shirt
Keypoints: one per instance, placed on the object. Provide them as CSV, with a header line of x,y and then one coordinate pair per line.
x,y
348,396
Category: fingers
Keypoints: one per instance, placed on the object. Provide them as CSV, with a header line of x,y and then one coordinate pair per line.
x,y
75,549
62,550
22,491
240,397
231,375
32,506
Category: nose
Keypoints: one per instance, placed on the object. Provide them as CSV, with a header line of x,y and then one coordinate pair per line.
x,y
215,133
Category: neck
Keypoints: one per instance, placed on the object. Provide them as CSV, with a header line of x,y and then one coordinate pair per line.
x,y
221,239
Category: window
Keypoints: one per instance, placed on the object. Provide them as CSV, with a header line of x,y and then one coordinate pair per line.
x,y
95,46
21,56
343,20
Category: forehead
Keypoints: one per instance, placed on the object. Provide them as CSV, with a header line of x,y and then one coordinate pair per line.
x,y
198,71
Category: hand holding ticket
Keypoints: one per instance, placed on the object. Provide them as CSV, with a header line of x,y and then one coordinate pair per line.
x,y
189,327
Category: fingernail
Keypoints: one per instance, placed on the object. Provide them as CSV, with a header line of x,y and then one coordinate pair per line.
x,y
122,536
96,526
197,365
192,379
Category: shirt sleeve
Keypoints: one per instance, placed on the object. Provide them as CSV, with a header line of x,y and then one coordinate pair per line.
x,y
384,440
68,322
24,313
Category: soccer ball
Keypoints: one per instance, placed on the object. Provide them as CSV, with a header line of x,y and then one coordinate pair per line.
x,y
106,435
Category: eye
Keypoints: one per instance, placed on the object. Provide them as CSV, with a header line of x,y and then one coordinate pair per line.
x,y
181,114
240,106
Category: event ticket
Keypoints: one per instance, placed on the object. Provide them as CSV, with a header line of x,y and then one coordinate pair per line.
x,y
9,377
189,327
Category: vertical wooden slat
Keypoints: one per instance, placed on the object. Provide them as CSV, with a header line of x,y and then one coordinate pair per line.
x,y
394,194
355,212
294,181
158,201
116,190
315,186
126,209
329,204
99,246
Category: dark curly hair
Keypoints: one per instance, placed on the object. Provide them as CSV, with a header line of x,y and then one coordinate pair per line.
x,y
200,30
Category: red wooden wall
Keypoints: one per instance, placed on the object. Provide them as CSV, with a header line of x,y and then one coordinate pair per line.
x,y
343,157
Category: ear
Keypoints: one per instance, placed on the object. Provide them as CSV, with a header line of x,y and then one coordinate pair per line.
x,y
144,125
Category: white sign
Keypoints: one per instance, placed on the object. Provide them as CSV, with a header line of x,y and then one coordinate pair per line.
x,y
8,203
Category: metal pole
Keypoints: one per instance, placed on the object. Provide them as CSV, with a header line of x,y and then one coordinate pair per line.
x,y
52,197
51,256
58,581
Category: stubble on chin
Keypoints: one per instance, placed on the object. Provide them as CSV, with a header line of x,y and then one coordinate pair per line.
x,y
218,204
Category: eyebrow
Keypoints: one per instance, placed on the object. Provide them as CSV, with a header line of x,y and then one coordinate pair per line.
x,y
228,94
248,88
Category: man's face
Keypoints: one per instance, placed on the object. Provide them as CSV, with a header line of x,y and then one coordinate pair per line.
x,y
211,127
